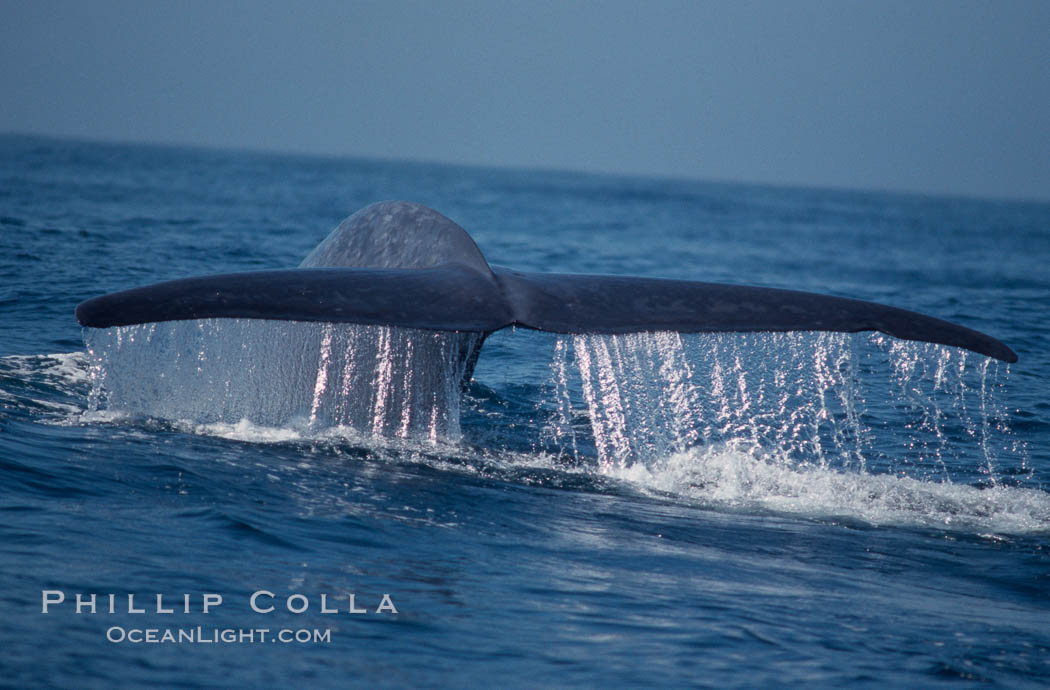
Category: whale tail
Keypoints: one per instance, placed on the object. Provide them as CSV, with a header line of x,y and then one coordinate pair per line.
x,y
402,264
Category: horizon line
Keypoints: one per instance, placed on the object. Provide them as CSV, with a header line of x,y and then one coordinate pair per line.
x,y
511,167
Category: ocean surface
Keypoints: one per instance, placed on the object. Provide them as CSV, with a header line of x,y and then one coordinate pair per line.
x,y
653,510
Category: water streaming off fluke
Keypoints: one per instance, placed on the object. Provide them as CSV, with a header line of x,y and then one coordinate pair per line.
x,y
798,397
789,422
374,379
735,414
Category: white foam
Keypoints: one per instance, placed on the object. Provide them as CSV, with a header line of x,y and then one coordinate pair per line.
x,y
751,480
300,431
71,368
64,372
244,430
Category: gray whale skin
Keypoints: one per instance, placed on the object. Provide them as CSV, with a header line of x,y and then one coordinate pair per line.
x,y
398,263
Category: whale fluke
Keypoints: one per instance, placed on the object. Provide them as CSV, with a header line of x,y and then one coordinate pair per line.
x,y
402,264
447,298
619,304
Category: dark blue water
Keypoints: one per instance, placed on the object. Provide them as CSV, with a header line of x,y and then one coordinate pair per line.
x,y
650,510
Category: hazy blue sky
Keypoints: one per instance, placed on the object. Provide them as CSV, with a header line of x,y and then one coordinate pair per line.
x,y
916,95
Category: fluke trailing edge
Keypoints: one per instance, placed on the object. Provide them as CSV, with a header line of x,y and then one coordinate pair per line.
x,y
402,264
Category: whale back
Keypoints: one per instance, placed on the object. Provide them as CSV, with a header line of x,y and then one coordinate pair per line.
x,y
397,234
405,235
